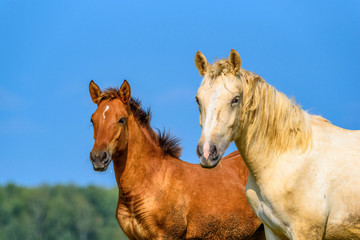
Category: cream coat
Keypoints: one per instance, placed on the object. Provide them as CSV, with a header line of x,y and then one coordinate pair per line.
x,y
304,172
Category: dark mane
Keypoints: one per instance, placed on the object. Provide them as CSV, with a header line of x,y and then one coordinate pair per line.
x,y
170,145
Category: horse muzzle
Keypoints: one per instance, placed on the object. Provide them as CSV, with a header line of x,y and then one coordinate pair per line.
x,y
100,160
211,158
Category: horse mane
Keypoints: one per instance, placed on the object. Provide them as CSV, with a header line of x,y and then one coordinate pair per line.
x,y
169,144
270,121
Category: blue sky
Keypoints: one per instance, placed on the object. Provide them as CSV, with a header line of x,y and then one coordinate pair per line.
x,y
50,50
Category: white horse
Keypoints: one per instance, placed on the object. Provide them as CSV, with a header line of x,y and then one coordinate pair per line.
x,y
304,180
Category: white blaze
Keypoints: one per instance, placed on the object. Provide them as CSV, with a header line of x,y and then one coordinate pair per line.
x,y
107,108
210,121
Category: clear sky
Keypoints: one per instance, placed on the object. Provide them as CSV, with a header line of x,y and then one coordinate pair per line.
x,y
50,50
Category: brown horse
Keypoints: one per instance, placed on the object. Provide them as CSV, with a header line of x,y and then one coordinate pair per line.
x,y
161,196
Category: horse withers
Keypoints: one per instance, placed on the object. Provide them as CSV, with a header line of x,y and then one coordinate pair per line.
x,y
161,196
304,171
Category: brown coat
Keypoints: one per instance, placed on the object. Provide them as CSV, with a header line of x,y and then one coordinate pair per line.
x,y
161,196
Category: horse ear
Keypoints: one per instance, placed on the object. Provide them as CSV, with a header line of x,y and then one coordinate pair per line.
x,y
201,63
125,92
235,61
95,92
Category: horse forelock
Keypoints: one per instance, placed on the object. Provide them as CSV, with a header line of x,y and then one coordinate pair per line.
x,y
220,67
169,145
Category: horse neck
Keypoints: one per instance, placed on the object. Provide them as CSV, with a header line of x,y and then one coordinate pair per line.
x,y
138,163
270,124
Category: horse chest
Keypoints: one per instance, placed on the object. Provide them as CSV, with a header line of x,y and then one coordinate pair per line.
x,y
263,210
130,224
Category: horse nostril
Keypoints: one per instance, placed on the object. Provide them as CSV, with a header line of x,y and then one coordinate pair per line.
x,y
96,156
102,155
213,150
199,150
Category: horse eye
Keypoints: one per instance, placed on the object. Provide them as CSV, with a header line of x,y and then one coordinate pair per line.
x,y
197,100
235,100
122,120
91,121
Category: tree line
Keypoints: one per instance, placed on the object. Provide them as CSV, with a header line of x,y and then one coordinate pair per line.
x,y
58,212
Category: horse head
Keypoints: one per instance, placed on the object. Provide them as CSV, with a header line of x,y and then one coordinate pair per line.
x,y
219,99
110,123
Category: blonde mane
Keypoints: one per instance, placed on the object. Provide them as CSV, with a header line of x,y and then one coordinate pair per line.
x,y
270,121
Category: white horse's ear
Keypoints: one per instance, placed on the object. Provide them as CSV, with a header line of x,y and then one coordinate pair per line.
x,y
235,61
201,63
125,92
95,92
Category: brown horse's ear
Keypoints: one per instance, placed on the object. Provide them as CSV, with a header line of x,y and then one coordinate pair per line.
x,y
95,92
125,92
235,61
201,63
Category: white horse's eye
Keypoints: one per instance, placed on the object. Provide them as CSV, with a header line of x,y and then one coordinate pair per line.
x,y
235,100
197,100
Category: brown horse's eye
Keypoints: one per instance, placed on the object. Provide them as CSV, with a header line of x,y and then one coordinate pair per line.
x,y
122,120
91,121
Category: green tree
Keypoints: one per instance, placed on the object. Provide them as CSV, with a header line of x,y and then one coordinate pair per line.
x,y
58,212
